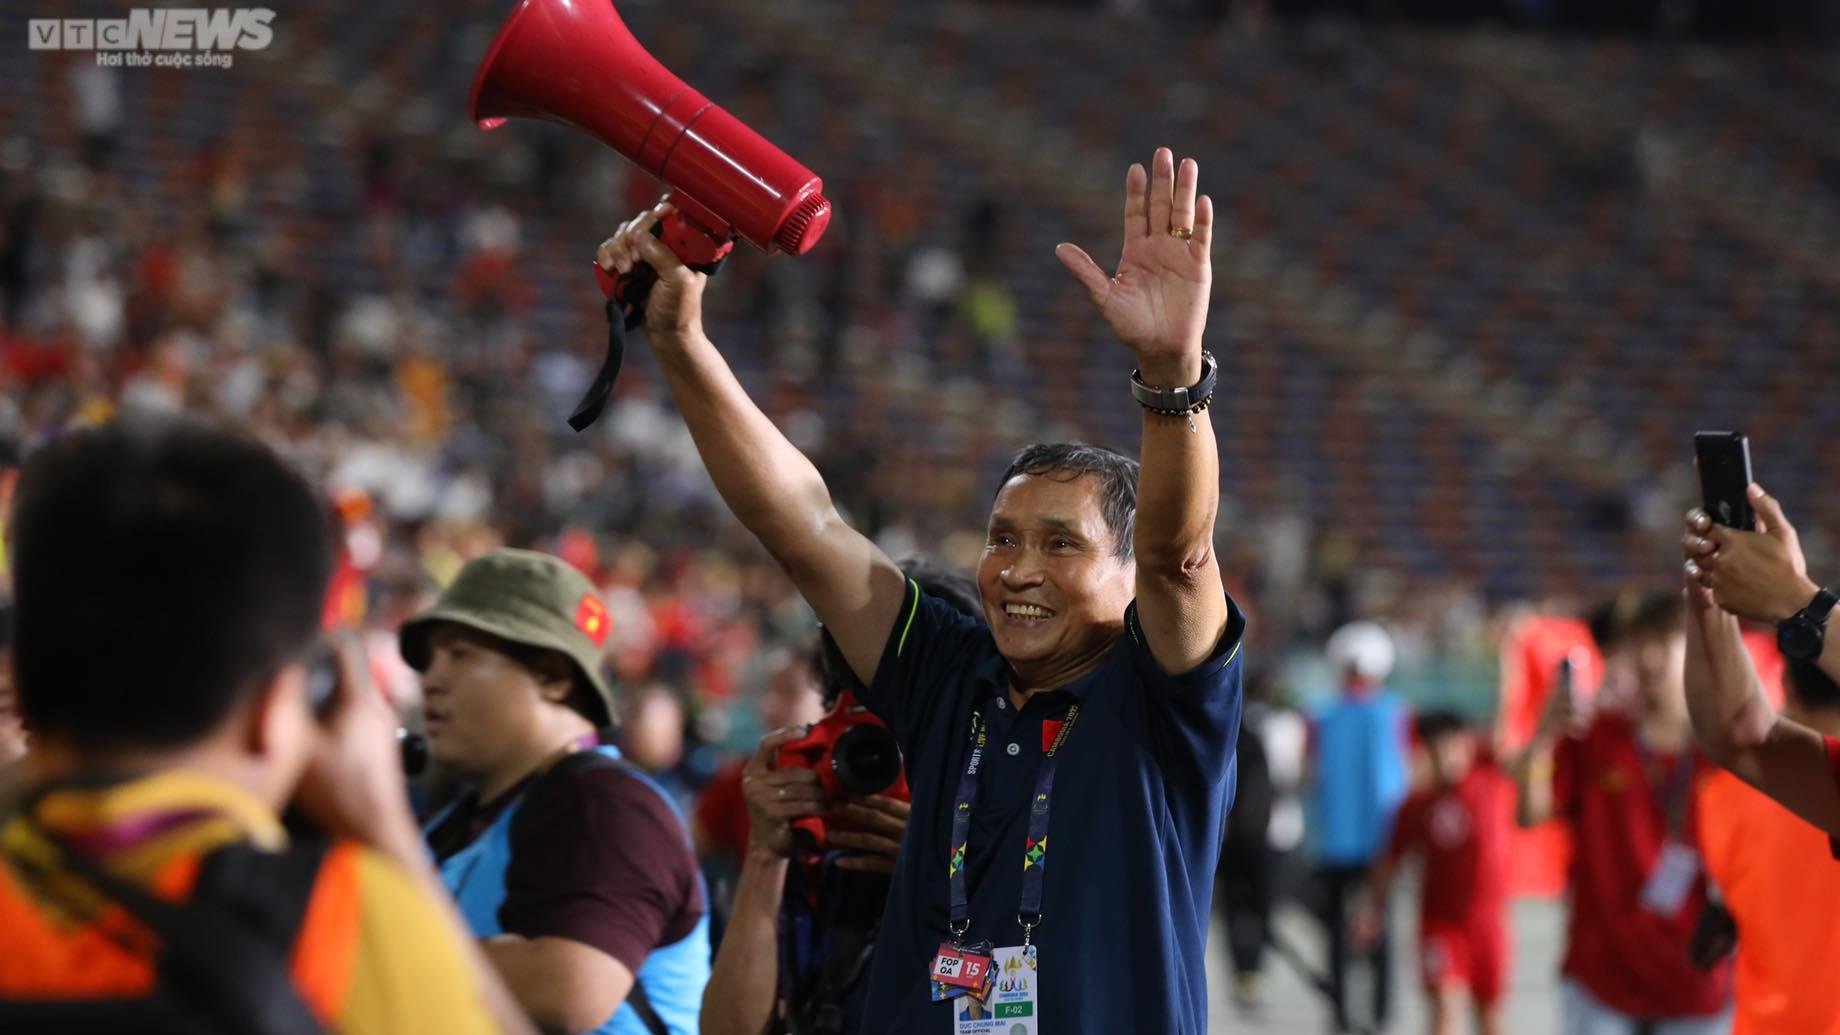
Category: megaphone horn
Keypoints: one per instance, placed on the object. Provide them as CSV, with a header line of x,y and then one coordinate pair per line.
x,y
575,62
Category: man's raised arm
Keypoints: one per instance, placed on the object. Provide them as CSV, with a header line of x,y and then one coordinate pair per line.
x,y
1157,304
775,491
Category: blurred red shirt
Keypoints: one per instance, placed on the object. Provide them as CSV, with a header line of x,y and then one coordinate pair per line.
x,y
1463,833
721,813
1613,792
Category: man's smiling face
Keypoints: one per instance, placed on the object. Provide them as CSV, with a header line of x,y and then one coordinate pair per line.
x,y
1053,586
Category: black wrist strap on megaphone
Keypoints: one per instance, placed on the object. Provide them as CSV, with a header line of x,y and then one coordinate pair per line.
x,y
589,409
627,307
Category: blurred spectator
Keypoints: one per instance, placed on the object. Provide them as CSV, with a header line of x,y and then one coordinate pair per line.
x,y
1284,733
1459,825
96,91
1265,831
1623,774
1247,881
651,733
1358,759
12,732
791,698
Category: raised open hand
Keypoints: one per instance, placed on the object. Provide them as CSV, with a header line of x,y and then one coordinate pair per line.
x,y
1157,301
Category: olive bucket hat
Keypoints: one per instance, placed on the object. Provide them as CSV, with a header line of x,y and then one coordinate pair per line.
x,y
527,598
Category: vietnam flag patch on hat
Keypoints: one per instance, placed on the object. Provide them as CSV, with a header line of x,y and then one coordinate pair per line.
x,y
591,618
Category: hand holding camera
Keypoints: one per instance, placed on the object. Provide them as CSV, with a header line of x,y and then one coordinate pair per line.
x,y
834,785
776,796
880,822
856,759
354,784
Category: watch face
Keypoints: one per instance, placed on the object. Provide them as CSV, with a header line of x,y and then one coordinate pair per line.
x,y
1799,639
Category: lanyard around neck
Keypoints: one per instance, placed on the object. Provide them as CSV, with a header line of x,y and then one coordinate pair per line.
x,y
1035,849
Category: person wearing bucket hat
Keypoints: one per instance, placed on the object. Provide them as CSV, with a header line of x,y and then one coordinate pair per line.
x,y
573,865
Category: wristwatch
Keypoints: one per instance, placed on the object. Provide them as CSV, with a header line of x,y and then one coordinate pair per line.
x,y
1178,402
1801,635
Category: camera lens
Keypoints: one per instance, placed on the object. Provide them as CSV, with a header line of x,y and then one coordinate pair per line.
x,y
867,759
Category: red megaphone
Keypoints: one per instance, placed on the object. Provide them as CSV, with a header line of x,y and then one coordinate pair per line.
x,y
575,62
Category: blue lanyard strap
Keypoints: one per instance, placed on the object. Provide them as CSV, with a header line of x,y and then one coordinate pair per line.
x,y
961,825
1671,788
1035,850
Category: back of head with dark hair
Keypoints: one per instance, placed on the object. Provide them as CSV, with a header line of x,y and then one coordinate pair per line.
x,y
1432,725
1810,687
1636,615
954,590
162,570
1116,473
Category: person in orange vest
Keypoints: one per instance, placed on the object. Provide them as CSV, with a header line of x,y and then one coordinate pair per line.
x,y
168,583
1765,860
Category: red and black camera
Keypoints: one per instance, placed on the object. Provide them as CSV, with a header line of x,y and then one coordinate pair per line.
x,y
854,754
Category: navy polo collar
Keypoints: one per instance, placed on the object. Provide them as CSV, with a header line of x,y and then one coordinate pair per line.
x,y
992,675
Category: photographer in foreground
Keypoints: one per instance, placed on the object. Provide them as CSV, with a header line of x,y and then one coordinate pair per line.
x,y
802,929
169,582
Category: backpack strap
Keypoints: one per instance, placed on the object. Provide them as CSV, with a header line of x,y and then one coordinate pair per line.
x,y
267,892
553,778
222,962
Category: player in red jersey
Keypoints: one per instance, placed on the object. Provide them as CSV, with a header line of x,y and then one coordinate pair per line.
x,y
1460,825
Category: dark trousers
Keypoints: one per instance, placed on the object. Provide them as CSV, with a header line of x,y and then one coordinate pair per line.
x,y
1340,884
1248,891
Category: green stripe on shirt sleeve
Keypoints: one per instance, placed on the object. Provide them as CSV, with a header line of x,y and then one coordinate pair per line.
x,y
913,607
1233,654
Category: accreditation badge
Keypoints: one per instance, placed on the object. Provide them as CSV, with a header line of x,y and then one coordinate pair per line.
x,y
962,970
1672,880
1012,1006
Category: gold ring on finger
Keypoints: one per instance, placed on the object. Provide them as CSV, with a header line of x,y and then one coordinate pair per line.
x,y
1181,233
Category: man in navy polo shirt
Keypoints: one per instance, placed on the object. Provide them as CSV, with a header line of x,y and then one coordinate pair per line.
x,y
1070,792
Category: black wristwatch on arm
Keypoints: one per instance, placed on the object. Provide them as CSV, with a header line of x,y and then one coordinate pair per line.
x,y
1802,635
1178,402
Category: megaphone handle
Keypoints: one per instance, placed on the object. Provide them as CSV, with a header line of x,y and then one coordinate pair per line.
x,y
631,291
595,399
626,297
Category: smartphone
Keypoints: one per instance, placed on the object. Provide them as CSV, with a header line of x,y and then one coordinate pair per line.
x,y
1725,477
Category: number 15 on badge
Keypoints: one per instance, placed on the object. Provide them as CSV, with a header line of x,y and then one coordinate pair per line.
x,y
1011,1007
